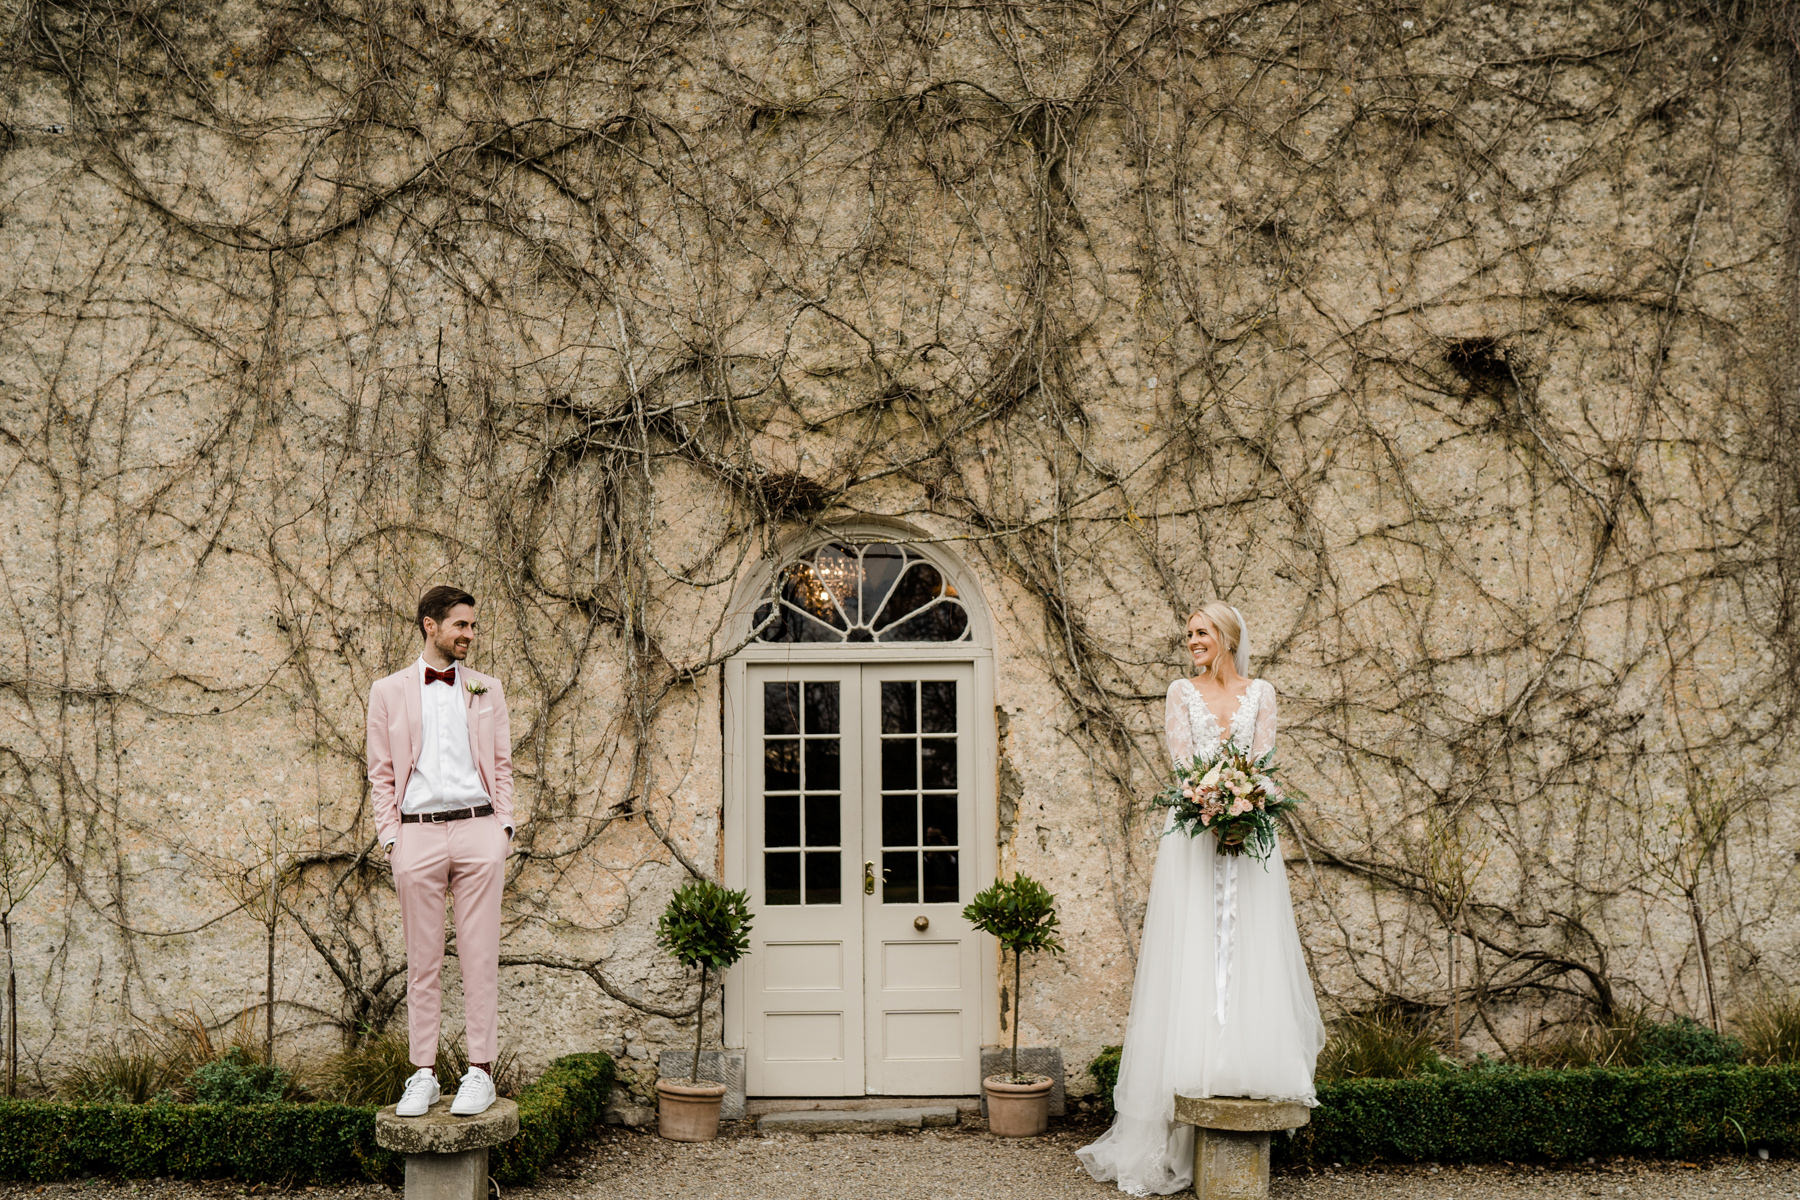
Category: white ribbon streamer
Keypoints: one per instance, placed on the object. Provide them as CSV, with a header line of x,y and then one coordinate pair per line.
x,y
1224,927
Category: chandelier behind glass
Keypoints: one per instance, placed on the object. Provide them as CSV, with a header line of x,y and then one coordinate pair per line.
x,y
866,592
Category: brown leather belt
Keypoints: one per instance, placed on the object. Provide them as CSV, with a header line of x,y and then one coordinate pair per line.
x,y
438,818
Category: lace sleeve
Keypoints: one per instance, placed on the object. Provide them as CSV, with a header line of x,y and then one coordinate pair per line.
x,y
1263,739
1177,727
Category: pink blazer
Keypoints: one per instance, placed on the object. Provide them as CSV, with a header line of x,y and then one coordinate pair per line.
x,y
395,728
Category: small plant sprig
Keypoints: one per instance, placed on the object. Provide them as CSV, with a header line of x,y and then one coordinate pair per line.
x,y
1022,915
706,926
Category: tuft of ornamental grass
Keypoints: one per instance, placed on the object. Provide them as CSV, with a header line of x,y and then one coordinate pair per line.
x,y
156,1061
1383,1043
1634,1039
1579,1044
374,1070
1770,1031
129,1070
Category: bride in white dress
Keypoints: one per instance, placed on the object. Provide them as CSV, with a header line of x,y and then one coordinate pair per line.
x,y
1223,1005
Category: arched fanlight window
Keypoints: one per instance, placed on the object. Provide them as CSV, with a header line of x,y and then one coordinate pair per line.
x,y
871,592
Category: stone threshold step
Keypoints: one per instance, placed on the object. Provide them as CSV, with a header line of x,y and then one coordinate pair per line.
x,y
756,1106
863,1120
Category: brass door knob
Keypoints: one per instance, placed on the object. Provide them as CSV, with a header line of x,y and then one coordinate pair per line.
x,y
921,923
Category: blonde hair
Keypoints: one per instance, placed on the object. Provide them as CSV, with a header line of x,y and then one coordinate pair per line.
x,y
1225,623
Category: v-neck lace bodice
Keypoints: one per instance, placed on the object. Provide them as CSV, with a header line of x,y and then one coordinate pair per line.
x,y
1228,731
1203,735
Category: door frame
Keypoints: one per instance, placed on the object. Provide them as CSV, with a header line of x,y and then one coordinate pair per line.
x,y
977,652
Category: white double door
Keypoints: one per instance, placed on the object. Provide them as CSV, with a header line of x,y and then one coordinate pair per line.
x,y
862,977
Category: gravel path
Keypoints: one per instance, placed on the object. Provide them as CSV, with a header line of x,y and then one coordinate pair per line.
x,y
967,1164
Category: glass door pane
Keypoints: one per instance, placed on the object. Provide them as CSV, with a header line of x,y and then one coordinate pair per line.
x,y
802,785
921,836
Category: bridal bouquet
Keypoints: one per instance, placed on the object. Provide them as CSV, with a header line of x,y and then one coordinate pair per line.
x,y
1233,795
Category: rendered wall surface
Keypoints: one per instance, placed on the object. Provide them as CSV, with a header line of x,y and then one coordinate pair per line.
x,y
1451,343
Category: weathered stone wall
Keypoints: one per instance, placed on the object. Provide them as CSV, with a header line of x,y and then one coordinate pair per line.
x,y
1451,343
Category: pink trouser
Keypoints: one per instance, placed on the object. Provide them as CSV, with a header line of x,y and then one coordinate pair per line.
x,y
465,860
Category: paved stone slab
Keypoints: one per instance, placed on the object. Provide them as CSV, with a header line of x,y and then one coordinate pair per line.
x,y
871,1120
437,1132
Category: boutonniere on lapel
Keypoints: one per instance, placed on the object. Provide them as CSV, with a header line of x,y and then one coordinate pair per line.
x,y
477,689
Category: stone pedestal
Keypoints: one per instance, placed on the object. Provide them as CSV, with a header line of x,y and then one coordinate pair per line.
x,y
446,1156
1231,1142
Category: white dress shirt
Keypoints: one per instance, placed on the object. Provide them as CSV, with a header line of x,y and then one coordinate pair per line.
x,y
446,778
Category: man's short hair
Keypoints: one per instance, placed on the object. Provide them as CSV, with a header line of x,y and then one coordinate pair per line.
x,y
438,602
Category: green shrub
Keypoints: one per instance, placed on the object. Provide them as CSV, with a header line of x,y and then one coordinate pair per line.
x,y
1517,1114
555,1114
297,1144
1105,1070
1771,1032
1382,1044
1684,1042
238,1078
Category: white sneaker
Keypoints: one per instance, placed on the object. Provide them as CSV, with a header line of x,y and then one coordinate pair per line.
x,y
474,1095
420,1094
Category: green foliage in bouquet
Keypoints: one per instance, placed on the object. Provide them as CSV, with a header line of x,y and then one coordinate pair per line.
x,y
1234,795
705,926
1022,915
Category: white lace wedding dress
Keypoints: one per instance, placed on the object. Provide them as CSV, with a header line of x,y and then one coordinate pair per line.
x,y
1223,1005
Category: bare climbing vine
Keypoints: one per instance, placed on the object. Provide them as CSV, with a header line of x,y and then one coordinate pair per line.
x,y
1450,343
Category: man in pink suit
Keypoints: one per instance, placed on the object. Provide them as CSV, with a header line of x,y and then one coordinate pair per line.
x,y
440,768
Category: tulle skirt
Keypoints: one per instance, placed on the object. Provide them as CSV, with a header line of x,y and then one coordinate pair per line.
x,y
1222,1006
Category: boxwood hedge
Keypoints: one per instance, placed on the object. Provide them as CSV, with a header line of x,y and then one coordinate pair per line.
x,y
1508,1114
1495,1115
290,1143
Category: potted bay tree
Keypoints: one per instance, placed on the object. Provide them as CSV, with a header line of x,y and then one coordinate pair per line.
x,y
706,926
1022,916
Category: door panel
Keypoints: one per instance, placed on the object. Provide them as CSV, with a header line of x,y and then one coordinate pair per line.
x,y
803,976
921,964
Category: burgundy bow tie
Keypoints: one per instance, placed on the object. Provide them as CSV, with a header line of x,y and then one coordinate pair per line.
x,y
445,676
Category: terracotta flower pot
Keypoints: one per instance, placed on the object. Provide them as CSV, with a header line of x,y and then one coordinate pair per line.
x,y
688,1112
1017,1109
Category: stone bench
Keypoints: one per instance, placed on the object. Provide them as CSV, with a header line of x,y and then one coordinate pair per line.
x,y
1231,1142
446,1156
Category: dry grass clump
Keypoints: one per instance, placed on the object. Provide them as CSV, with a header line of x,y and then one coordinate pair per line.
x,y
1634,1039
1770,1031
374,1070
1383,1043
156,1062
